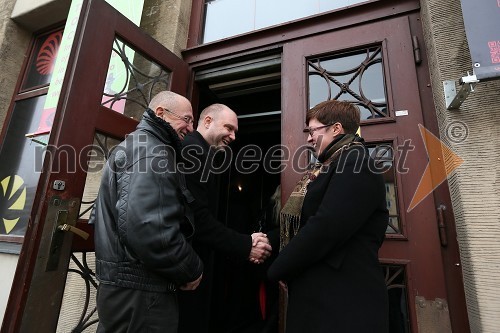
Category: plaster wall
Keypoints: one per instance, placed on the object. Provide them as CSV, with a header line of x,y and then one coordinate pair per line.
x,y
38,14
475,185
8,262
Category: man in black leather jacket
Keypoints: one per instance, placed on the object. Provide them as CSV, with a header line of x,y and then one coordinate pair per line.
x,y
143,224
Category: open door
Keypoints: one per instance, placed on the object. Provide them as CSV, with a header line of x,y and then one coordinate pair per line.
x,y
377,71
91,116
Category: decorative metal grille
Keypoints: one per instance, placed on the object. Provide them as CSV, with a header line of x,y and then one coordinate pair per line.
x,y
132,80
79,311
101,149
81,284
395,280
383,155
355,76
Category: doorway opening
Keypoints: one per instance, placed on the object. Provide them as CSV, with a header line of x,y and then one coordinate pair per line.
x,y
243,300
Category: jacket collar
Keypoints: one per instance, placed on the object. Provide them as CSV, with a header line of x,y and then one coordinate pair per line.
x,y
161,129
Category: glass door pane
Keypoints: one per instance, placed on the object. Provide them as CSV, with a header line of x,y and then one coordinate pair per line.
x,y
132,80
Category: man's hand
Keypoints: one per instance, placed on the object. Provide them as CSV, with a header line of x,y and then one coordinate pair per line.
x,y
261,249
191,285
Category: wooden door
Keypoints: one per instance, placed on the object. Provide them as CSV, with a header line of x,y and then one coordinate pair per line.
x,y
373,65
93,113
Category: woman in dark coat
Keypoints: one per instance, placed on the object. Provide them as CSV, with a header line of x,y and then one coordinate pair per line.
x,y
332,227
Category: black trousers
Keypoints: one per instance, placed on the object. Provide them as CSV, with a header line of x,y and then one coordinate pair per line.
x,y
123,310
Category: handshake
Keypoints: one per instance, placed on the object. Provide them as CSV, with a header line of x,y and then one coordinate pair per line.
x,y
261,248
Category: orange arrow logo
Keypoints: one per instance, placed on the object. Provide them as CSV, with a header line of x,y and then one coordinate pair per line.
x,y
442,162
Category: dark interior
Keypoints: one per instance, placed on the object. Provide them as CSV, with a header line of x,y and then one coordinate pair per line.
x,y
243,300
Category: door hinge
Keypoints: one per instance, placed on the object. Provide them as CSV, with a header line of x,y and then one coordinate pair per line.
x,y
443,238
416,50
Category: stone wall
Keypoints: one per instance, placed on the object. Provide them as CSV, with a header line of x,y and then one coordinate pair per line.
x,y
14,41
475,185
167,21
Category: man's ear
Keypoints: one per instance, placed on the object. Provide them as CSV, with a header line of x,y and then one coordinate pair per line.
x,y
207,120
159,111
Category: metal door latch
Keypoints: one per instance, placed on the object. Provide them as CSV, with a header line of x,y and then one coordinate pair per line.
x,y
63,214
59,185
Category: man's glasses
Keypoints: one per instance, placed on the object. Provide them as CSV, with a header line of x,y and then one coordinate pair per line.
x,y
311,130
188,119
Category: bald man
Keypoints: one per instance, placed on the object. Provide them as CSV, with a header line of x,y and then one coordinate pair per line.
x,y
217,128
143,225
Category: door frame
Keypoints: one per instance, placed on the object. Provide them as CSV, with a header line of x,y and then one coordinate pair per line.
x,y
450,254
36,294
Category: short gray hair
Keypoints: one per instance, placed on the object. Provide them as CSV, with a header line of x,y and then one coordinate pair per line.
x,y
165,98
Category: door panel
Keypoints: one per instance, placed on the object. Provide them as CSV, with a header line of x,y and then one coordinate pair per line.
x,y
411,254
39,282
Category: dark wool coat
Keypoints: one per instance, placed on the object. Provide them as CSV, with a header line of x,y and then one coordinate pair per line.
x,y
210,234
335,281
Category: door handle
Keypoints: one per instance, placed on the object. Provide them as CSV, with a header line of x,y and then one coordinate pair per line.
x,y
75,230
63,214
443,238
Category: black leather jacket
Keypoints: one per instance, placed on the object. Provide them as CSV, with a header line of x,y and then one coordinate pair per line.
x,y
142,221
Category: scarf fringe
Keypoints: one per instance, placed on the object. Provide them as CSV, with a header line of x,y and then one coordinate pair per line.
x,y
289,227
290,215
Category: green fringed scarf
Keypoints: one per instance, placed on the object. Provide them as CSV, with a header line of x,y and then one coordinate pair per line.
x,y
290,214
